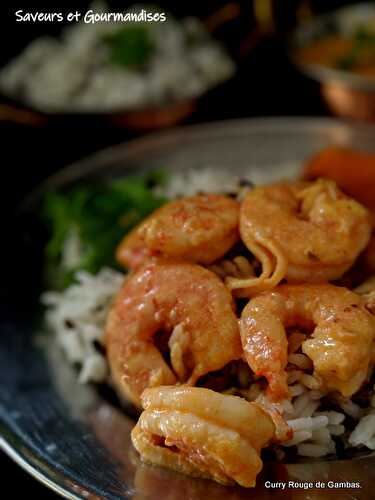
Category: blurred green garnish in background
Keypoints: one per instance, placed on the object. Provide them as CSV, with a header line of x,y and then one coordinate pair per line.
x,y
88,222
130,46
362,51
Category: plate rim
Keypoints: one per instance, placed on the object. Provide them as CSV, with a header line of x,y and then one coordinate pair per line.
x,y
81,167
32,469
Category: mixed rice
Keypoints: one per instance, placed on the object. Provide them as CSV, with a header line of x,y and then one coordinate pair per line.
x,y
323,425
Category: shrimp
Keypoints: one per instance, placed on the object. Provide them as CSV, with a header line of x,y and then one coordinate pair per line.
x,y
170,296
203,433
339,346
199,229
303,232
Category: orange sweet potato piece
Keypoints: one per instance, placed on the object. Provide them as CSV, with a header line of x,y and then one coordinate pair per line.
x,y
353,171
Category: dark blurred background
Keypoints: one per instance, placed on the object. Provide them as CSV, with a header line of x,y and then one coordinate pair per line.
x,y
266,84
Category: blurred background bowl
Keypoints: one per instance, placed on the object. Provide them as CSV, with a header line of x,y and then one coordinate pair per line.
x,y
346,93
206,64
140,120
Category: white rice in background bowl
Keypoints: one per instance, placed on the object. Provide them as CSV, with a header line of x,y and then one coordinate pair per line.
x,y
74,72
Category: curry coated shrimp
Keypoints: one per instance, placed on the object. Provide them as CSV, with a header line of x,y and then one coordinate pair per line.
x,y
199,228
339,346
203,433
180,298
302,232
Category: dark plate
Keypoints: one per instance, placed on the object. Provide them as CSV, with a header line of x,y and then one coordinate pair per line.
x,y
69,436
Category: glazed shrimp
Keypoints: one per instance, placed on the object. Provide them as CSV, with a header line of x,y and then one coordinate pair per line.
x,y
178,297
339,347
203,433
302,232
199,229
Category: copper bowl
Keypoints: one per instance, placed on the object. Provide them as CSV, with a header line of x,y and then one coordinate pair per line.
x,y
145,119
139,120
346,94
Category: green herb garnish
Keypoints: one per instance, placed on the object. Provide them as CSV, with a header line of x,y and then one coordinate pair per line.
x,y
88,222
363,50
130,46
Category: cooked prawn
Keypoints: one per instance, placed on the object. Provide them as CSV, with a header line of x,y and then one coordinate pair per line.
x,y
178,297
203,433
339,347
199,228
312,231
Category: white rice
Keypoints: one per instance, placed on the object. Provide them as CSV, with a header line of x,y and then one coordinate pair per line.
x,y
78,314
311,423
334,417
350,408
73,72
336,430
192,181
364,433
221,179
77,317
313,430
